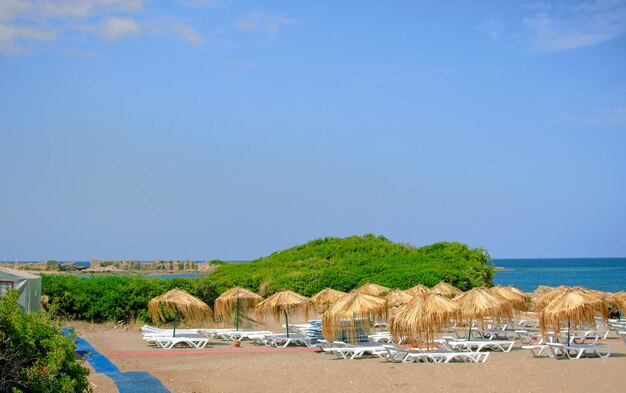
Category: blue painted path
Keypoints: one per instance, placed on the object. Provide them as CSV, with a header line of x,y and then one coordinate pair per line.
x,y
129,382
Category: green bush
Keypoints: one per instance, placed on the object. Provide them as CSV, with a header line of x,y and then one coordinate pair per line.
x,y
342,264
115,298
347,263
34,355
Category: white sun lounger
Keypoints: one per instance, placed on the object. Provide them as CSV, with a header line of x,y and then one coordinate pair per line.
x,y
538,349
576,351
448,357
354,352
171,342
281,340
478,345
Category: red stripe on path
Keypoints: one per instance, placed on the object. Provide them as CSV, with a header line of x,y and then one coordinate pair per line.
x,y
205,352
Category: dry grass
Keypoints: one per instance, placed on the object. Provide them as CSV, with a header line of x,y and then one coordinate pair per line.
x,y
349,308
548,296
226,305
372,289
324,298
418,320
419,289
178,301
478,304
575,306
618,300
447,290
398,297
516,298
284,302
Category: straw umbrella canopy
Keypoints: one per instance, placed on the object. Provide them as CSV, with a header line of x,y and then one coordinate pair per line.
x,y
478,304
233,301
349,308
419,289
372,289
419,319
618,299
178,302
541,301
398,297
324,298
284,303
574,305
447,290
516,298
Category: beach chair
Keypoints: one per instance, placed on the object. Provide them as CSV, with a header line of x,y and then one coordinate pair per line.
x,y
395,354
537,349
479,345
282,340
358,351
171,342
577,351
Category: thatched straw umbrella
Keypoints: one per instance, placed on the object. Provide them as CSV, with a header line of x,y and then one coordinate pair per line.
x,y
350,307
541,301
398,297
421,317
324,298
575,305
478,303
284,303
372,289
447,290
618,299
419,289
235,299
516,298
178,302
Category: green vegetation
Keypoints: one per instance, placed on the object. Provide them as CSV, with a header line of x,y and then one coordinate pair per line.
x,y
347,263
34,355
342,264
114,298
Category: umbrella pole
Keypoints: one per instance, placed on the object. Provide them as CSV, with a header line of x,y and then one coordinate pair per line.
x,y
469,334
567,332
287,323
175,318
237,316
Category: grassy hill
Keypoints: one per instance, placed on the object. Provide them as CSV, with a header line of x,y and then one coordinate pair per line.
x,y
347,263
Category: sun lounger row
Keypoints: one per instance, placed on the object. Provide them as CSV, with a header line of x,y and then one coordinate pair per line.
x,y
416,355
569,351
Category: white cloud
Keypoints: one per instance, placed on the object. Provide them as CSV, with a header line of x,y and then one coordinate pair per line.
x,y
236,64
25,22
80,9
10,35
563,26
203,3
116,27
492,26
258,21
188,34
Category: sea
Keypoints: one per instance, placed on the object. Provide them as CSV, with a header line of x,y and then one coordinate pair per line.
x,y
603,274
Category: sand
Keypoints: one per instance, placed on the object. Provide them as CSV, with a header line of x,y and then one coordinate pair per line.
x,y
253,368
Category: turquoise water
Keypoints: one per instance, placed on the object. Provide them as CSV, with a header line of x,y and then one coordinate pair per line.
x,y
603,274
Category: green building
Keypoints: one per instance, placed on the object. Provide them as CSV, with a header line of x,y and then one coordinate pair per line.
x,y
28,285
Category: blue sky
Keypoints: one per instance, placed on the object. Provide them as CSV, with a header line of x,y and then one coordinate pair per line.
x,y
231,129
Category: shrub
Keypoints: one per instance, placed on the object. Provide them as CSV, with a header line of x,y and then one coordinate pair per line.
x,y
34,355
115,298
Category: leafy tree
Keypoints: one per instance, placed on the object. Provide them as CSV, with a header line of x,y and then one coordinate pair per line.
x,y
34,355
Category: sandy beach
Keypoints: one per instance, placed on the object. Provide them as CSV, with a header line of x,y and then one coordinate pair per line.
x,y
252,368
